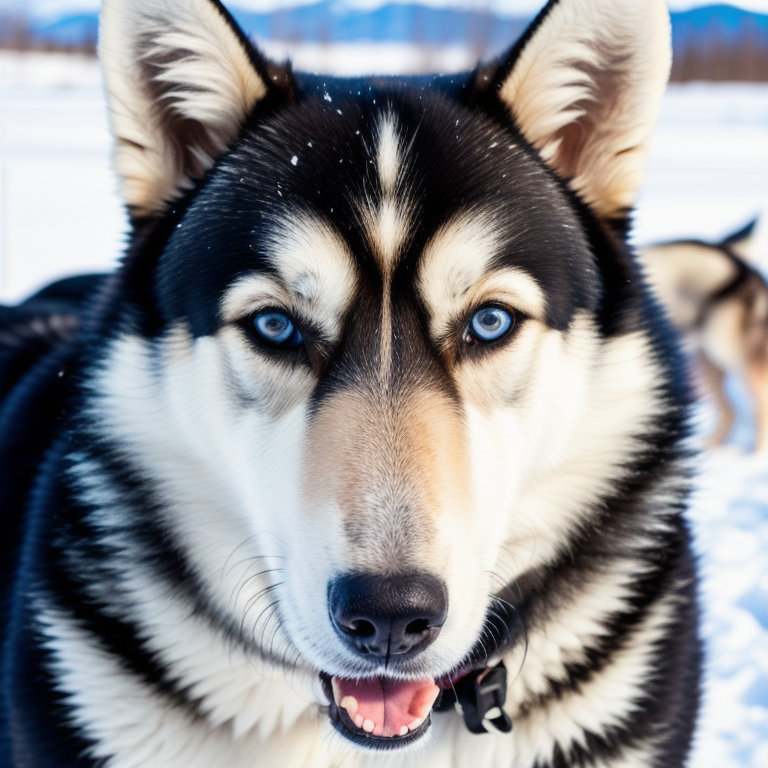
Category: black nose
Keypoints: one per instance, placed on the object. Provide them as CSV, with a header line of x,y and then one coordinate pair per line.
x,y
387,615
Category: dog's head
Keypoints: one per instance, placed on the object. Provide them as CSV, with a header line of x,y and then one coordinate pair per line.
x,y
367,343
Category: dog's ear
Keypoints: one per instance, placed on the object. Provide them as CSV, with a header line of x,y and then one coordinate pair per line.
x,y
584,85
181,79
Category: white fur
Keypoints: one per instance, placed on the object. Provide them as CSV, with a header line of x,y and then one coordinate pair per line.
x,y
134,727
387,224
599,703
232,485
580,448
388,156
106,701
576,627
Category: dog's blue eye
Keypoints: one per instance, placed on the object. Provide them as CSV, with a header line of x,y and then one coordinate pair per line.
x,y
275,329
490,324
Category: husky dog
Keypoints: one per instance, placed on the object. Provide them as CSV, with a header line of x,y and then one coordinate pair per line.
x,y
373,451
720,303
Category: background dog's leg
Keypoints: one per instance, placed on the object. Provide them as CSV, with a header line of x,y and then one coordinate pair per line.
x,y
757,380
714,381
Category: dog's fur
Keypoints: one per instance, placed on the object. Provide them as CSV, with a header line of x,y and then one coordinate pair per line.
x,y
719,301
377,400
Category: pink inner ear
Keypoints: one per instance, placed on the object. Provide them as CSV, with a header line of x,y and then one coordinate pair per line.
x,y
391,705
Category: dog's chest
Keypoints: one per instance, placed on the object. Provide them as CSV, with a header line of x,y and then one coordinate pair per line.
x,y
239,717
310,742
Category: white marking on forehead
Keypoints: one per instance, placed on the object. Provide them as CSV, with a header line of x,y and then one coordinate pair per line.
x,y
387,223
388,154
315,274
456,273
387,227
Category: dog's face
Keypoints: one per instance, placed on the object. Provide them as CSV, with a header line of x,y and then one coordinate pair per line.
x,y
381,335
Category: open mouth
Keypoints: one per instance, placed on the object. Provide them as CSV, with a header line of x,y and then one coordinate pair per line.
x,y
382,713
378,712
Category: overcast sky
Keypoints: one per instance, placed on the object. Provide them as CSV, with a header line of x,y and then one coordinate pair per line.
x,y
522,7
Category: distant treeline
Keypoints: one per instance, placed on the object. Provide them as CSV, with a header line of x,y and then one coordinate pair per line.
x,y
20,32
718,42
716,52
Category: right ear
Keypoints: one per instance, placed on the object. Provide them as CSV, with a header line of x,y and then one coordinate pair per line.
x,y
181,80
584,85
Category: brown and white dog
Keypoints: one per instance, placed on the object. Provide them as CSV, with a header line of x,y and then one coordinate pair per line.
x,y
376,440
719,301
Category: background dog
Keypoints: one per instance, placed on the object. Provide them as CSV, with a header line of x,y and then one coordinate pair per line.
x,y
376,409
720,303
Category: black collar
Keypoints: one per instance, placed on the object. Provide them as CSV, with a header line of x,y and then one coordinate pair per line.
x,y
478,692
479,687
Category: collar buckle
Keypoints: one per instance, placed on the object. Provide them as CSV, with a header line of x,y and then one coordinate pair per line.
x,y
479,692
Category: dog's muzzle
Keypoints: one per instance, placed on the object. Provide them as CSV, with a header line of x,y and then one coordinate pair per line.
x,y
390,620
384,619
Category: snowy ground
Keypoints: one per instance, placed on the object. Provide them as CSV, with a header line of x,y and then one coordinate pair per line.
x,y
708,176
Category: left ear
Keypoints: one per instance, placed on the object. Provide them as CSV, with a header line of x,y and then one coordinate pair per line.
x,y
584,85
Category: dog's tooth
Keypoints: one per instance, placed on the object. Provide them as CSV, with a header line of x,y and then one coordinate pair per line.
x,y
415,724
404,730
378,730
359,721
336,686
350,704
368,726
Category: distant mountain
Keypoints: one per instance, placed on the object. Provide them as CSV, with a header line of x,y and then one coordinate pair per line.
x,y
726,23
330,21
720,42
75,31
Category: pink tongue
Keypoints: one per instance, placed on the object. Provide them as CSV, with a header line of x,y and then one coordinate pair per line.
x,y
391,705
